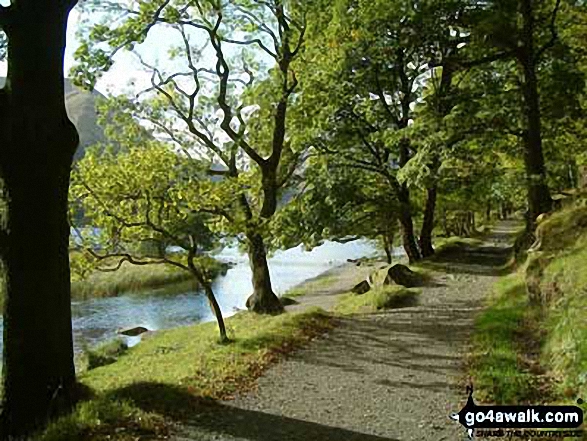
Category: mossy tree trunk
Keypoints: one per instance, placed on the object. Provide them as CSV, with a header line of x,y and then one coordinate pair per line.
x,y
38,144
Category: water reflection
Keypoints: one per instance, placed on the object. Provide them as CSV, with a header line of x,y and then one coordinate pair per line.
x,y
98,320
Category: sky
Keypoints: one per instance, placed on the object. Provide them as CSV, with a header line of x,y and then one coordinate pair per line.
x,y
126,74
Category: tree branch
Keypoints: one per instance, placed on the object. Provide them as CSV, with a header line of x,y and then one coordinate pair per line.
x,y
553,32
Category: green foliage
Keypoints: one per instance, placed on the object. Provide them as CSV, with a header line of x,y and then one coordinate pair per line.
x,y
335,203
150,194
218,104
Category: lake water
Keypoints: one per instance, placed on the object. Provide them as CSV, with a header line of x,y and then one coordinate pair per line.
x,y
97,320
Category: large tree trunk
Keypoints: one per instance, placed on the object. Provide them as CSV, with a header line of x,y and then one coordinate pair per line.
x,y
263,300
39,373
428,223
38,143
539,200
407,227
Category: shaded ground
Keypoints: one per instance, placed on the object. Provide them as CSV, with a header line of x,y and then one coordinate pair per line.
x,y
387,376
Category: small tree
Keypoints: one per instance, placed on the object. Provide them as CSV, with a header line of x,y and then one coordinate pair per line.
x,y
150,194
203,106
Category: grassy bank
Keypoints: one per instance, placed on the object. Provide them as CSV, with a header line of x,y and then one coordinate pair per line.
x,y
530,343
133,279
563,292
499,363
384,297
170,374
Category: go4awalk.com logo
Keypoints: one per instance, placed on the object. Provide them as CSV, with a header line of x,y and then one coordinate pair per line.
x,y
509,418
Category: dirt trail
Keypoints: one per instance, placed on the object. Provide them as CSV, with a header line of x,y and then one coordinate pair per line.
x,y
388,376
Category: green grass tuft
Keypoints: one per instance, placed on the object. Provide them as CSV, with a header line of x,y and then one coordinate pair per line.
x,y
450,244
105,419
101,355
384,297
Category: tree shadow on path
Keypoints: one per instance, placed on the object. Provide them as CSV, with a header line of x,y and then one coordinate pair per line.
x,y
207,415
487,259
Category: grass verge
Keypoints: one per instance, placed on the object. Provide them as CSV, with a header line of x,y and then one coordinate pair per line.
x,y
530,342
496,361
563,291
164,377
384,297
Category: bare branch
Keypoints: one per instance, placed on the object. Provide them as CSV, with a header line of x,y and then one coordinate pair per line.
x,y
223,73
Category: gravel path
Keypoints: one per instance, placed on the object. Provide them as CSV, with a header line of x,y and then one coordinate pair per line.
x,y
388,376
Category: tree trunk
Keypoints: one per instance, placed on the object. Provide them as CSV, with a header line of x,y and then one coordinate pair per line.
x,y
428,223
39,142
539,200
407,227
488,212
388,247
263,300
388,255
214,306
39,374
217,311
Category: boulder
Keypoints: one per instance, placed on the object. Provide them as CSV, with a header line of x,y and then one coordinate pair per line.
x,y
361,288
133,332
287,301
401,275
355,261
